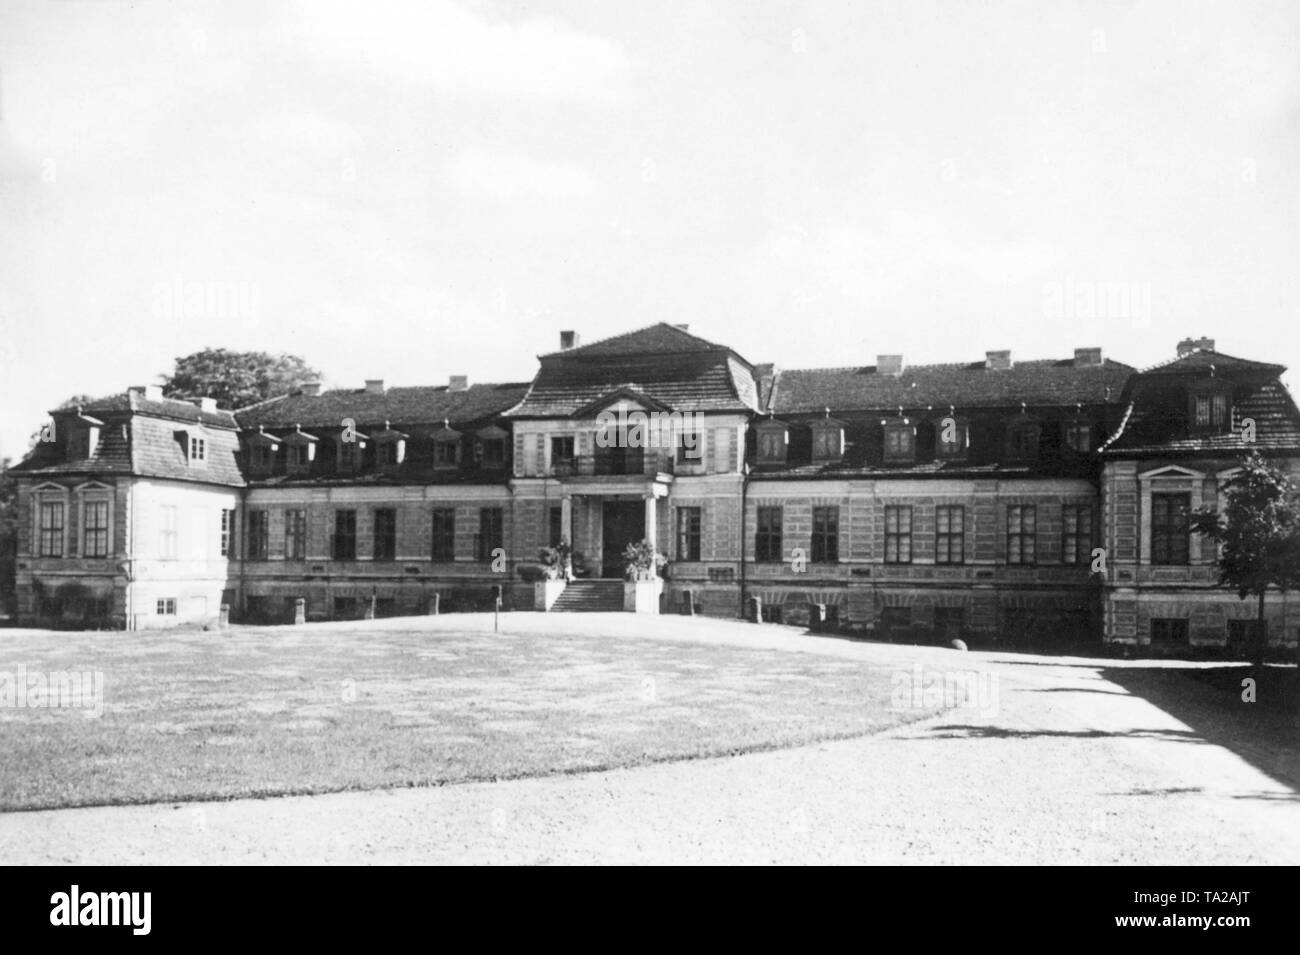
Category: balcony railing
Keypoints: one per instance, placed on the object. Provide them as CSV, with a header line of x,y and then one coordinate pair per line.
x,y
642,461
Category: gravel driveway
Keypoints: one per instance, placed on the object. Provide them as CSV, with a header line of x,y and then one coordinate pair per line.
x,y
1067,767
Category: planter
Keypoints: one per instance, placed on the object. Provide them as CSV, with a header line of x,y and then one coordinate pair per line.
x,y
546,592
642,596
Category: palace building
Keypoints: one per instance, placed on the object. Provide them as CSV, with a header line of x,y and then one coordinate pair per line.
x,y
1005,501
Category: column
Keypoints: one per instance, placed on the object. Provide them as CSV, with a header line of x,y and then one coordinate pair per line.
x,y
651,525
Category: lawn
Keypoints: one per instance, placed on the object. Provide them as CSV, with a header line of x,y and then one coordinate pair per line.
x,y
279,710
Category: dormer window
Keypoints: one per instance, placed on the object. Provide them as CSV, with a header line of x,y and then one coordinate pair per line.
x,y
900,440
491,447
773,441
261,451
952,438
1211,407
301,451
198,450
1078,436
446,447
390,447
827,440
1022,439
262,456
350,447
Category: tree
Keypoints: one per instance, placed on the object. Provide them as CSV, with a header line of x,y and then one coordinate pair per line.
x,y
236,379
1258,533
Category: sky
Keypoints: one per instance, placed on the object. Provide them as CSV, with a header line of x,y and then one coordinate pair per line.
x,y
410,191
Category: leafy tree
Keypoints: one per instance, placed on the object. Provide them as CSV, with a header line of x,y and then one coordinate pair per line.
x,y
236,379
1258,533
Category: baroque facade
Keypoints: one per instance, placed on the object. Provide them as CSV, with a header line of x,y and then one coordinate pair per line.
x,y
1008,502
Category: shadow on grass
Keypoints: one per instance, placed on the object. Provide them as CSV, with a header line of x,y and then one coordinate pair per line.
x,y
954,731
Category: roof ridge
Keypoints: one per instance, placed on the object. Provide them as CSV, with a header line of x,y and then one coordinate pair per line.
x,y
635,331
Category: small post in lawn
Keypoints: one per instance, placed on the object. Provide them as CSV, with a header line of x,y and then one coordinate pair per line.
x,y
496,608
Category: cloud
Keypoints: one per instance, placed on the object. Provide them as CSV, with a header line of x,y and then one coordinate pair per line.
x,y
446,47
502,177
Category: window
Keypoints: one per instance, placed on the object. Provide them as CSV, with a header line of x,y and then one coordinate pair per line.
x,y
345,535
690,449
51,530
949,534
900,443
295,535
300,455
767,542
227,529
828,443
348,456
387,452
898,535
494,452
952,438
385,533
1170,528
167,531
555,525
1022,441
1169,631
895,620
1210,411
258,535
491,531
772,443
562,453
826,535
444,453
1022,523
1078,436
94,529
444,533
688,533
166,607
262,457
198,449
1076,543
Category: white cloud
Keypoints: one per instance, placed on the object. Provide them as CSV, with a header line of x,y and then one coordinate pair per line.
x,y
449,48
502,177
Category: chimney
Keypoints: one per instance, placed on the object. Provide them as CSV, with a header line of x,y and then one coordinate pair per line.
x,y
458,383
1087,357
568,340
1189,345
889,365
374,386
310,388
685,328
153,393
208,405
997,360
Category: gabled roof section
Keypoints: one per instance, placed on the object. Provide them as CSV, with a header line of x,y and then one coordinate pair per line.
x,y
1203,360
400,406
622,392
662,362
660,337
1036,383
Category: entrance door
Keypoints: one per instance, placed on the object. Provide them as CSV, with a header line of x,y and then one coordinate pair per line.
x,y
623,523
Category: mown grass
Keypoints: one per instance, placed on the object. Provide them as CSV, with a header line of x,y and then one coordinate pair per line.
x,y
252,712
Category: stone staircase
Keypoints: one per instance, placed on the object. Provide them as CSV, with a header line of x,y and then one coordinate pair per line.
x,y
591,596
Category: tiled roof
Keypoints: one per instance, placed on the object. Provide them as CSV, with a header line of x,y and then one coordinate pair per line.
x,y
1155,422
177,409
684,381
1205,360
401,406
146,439
661,337
1035,383
935,469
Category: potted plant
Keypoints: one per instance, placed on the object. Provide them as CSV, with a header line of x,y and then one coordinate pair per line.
x,y
644,585
557,571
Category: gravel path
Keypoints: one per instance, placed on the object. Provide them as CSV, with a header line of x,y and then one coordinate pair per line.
x,y
1068,767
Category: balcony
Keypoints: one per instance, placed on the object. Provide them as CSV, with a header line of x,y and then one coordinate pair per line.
x,y
646,462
